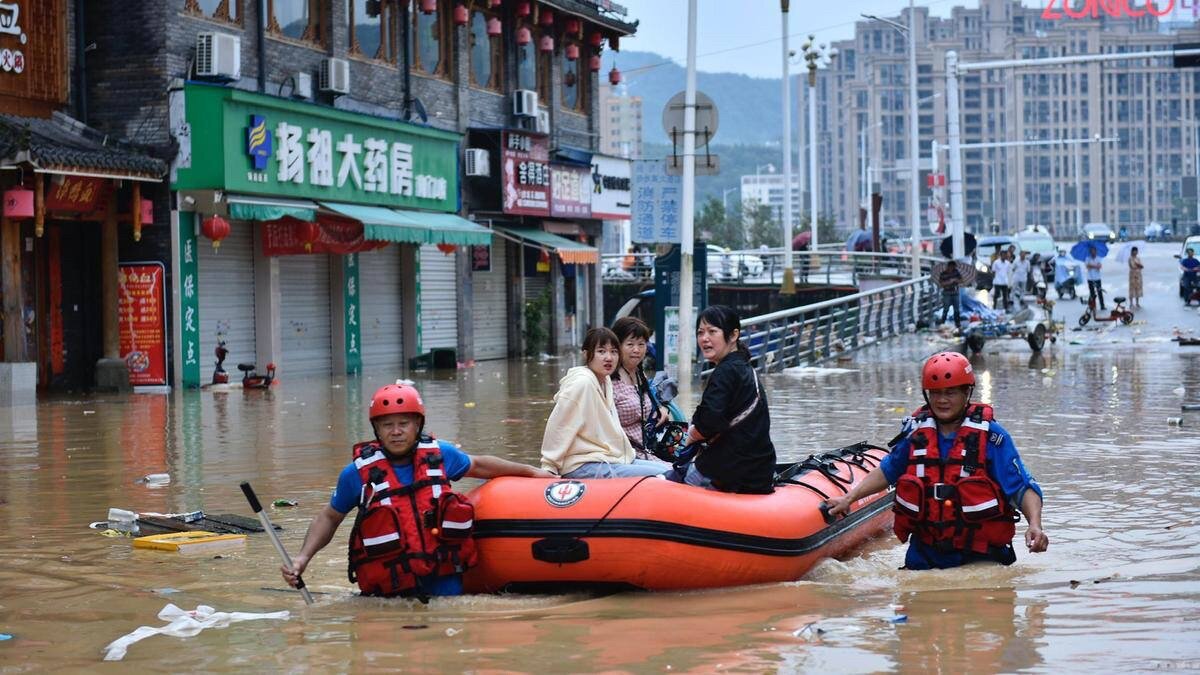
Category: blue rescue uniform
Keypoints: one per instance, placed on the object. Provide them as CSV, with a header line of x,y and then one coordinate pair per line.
x,y
1004,466
349,490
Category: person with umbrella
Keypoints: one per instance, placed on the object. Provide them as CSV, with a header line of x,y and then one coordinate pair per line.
x,y
802,242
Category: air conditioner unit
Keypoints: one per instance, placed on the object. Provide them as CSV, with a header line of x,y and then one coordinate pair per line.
x,y
525,103
335,76
477,162
218,55
543,122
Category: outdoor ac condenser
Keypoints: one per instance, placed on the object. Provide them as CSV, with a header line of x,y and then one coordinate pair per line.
x,y
477,162
335,76
218,55
525,103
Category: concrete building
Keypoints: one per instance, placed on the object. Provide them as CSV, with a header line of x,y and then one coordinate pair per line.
x,y
1149,105
335,203
767,189
620,122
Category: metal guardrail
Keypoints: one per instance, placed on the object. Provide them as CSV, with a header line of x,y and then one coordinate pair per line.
x,y
759,267
813,333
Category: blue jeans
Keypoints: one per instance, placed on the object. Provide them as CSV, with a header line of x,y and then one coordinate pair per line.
x,y
636,468
689,475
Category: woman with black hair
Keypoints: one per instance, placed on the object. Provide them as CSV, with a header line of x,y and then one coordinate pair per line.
x,y
732,419
638,408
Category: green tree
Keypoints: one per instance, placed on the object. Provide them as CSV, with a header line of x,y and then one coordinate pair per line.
x,y
826,229
719,226
760,225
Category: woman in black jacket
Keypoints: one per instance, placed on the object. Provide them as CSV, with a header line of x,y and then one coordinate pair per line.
x,y
732,418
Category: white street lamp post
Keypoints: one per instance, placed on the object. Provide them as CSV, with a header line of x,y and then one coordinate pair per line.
x,y
815,56
788,285
687,338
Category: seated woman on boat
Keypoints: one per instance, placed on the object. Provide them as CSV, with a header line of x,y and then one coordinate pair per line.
x,y
583,437
638,408
732,418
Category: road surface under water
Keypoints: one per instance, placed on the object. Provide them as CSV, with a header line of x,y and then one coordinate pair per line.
x,y
1118,590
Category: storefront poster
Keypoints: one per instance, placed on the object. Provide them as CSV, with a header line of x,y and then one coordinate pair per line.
x,y
656,203
481,258
339,236
525,173
570,191
271,146
611,195
143,328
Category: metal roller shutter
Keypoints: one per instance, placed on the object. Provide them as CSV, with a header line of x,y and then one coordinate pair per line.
x,y
439,302
226,286
304,330
379,282
490,307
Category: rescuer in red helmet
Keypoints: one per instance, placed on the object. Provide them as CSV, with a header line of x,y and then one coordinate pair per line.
x,y
959,479
412,534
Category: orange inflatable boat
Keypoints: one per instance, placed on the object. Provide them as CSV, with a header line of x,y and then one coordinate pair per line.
x,y
648,533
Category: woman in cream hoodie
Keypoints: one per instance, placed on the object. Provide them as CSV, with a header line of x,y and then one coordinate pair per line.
x,y
583,437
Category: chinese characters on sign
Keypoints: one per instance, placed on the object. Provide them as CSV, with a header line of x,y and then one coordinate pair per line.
x,y
12,60
610,182
143,328
656,198
570,191
350,300
525,173
481,258
189,303
74,193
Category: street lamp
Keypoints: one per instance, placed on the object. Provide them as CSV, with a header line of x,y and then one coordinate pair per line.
x,y
724,194
788,286
815,56
914,146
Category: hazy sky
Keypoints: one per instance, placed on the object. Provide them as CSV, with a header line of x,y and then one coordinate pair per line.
x,y
726,29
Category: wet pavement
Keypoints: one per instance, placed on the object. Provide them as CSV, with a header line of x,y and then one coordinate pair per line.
x,y
1118,590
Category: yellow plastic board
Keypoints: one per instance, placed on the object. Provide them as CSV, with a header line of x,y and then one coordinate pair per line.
x,y
190,542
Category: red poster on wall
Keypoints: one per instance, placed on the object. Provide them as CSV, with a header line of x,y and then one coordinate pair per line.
x,y
142,311
525,173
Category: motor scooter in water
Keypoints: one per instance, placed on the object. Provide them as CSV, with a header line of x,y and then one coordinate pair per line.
x,y
1117,313
1191,290
251,379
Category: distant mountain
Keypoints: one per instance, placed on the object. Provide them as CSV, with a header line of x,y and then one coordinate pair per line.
x,y
748,107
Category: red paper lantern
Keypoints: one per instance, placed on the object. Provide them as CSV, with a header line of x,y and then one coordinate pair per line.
x,y
461,16
446,249
614,76
572,26
308,233
595,39
18,203
215,228
572,52
428,6
524,36
494,27
546,44
594,63
524,8
546,18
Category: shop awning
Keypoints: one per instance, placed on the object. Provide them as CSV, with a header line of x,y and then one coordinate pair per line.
x,y
413,227
249,207
571,252
383,224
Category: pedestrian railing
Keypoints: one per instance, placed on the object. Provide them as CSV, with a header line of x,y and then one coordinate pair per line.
x,y
759,267
814,333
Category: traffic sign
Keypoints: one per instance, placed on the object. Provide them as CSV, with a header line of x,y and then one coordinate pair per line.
x,y
706,118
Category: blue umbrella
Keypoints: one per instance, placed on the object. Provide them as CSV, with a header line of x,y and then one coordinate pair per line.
x,y
1082,249
856,237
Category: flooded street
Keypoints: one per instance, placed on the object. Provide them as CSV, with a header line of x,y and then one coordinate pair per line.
x,y
1118,590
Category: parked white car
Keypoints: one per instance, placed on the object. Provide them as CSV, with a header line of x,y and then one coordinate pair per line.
x,y
726,265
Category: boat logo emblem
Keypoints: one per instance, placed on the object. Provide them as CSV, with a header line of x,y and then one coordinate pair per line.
x,y
564,493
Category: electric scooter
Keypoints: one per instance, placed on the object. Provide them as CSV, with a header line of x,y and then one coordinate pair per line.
x,y
1118,312
251,379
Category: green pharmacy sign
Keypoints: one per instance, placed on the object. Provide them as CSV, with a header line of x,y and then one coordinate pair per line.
x,y
255,144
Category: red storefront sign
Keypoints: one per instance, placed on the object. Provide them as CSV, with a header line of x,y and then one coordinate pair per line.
x,y
525,173
570,191
141,308
481,258
74,193
287,236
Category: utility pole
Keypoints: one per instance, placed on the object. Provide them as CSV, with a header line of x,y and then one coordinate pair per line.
x,y
687,336
788,287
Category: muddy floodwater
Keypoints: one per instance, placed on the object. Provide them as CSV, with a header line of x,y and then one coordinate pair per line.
x,y
1118,590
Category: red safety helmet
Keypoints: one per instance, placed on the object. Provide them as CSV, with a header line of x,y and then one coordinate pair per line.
x,y
396,398
945,370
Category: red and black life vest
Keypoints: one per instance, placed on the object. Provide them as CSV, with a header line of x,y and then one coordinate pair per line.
x,y
405,532
953,504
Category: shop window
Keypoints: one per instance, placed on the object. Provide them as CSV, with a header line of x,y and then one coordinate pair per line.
x,y
574,83
527,67
430,41
300,20
374,25
487,53
229,11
